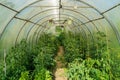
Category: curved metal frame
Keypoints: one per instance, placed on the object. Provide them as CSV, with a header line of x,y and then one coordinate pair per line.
x,y
66,15
71,27
110,23
43,23
64,9
47,10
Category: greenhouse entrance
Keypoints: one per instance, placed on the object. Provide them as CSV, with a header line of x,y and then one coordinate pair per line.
x,y
59,40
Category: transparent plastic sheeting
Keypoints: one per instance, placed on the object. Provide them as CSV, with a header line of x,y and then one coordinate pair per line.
x,y
29,18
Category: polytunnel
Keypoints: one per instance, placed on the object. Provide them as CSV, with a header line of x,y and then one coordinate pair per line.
x,y
88,19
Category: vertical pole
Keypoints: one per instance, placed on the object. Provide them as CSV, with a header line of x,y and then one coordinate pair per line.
x,y
5,62
60,6
106,38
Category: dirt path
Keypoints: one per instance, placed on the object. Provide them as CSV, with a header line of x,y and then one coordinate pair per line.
x,y
60,65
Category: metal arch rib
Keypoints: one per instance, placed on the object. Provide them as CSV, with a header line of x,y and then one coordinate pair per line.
x,y
57,14
56,8
71,27
113,27
15,15
66,15
36,22
48,28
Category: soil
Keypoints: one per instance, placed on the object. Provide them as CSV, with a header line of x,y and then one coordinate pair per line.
x,y
60,65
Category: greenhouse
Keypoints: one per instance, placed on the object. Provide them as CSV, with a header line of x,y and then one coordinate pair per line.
x,y
59,39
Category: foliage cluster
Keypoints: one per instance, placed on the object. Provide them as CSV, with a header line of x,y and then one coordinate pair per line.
x,y
31,63
88,61
84,60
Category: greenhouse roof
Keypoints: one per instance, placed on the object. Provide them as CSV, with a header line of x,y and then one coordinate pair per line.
x,y
27,19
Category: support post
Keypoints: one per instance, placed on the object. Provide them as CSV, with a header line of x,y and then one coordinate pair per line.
x,y
5,62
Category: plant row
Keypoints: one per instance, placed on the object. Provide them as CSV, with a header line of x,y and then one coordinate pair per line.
x,y
85,59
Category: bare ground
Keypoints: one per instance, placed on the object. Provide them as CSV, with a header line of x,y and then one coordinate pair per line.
x,y
60,70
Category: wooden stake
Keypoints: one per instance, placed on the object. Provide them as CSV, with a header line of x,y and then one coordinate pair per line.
x,y
5,62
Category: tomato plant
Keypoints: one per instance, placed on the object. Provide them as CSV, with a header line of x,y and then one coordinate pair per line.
x,y
84,60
